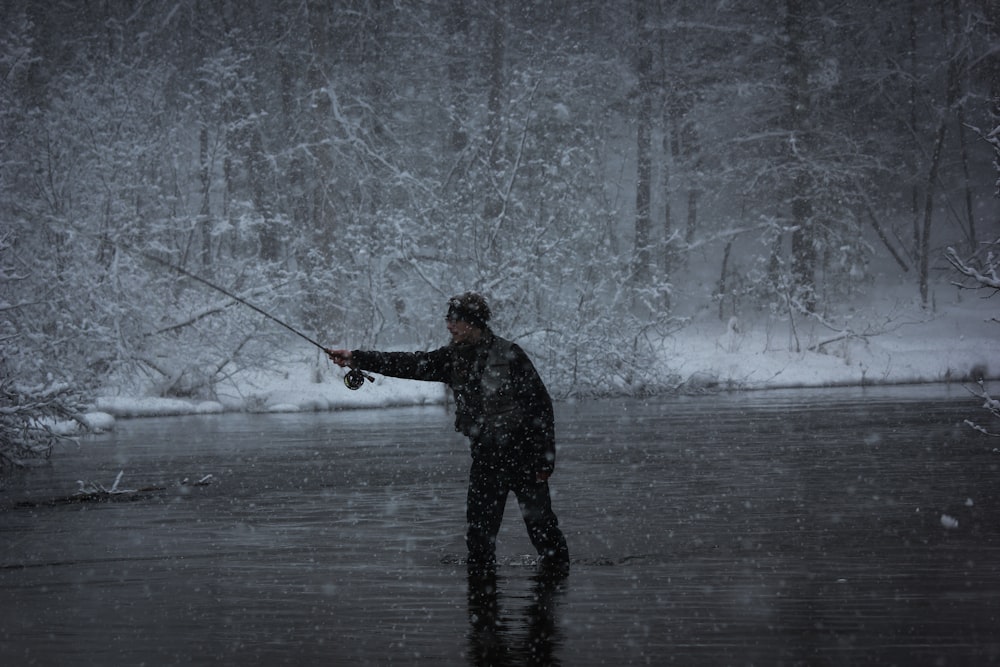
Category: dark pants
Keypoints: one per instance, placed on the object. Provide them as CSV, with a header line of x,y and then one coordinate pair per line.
x,y
491,479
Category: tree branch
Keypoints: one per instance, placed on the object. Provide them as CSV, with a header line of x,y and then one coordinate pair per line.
x,y
987,278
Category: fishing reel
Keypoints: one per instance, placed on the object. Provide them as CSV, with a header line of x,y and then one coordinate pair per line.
x,y
355,379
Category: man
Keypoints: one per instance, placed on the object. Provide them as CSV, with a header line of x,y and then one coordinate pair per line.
x,y
503,407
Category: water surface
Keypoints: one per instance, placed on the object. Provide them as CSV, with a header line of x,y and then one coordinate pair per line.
x,y
767,528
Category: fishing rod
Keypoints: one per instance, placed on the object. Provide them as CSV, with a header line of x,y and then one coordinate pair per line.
x,y
354,379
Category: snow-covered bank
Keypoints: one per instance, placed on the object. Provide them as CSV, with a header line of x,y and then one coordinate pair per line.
x,y
884,344
889,340
294,389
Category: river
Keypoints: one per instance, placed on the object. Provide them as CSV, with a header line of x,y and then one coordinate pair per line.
x,y
810,527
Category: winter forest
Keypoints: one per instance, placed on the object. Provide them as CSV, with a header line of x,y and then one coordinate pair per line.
x,y
601,170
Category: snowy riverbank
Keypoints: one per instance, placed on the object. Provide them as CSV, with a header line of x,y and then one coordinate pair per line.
x,y
888,340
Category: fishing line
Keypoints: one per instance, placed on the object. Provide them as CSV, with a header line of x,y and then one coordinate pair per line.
x,y
354,379
234,297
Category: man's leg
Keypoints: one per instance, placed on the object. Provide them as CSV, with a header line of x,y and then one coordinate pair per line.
x,y
543,527
484,508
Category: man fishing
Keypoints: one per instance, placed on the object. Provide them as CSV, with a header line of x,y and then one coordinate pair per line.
x,y
503,407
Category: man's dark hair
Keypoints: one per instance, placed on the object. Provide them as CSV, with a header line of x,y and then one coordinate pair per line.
x,y
469,307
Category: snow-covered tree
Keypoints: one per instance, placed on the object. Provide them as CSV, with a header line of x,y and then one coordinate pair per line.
x,y
350,165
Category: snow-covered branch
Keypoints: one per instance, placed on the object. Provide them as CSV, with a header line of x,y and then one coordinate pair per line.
x,y
871,329
27,419
990,404
986,276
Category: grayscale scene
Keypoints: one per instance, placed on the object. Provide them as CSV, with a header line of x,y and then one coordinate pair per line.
x,y
500,332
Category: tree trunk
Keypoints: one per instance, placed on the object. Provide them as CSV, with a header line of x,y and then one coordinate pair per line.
x,y
690,151
925,231
803,234
914,91
961,69
457,27
724,279
970,212
694,196
951,97
668,254
993,72
644,119
882,236
268,242
494,124
321,209
204,217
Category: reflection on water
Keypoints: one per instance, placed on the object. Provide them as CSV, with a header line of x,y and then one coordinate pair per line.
x,y
846,527
498,640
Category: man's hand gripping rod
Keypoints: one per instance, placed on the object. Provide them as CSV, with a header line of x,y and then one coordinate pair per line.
x,y
355,378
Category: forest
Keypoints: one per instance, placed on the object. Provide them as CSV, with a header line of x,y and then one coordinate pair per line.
x,y
600,170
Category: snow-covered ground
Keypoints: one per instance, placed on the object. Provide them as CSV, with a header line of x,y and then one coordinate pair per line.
x,y
885,339
893,341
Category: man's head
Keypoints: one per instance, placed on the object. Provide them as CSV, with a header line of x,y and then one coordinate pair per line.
x,y
467,317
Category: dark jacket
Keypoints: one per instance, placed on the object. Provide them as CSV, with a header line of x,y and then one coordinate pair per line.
x,y
510,413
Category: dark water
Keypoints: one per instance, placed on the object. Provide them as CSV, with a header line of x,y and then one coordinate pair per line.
x,y
772,528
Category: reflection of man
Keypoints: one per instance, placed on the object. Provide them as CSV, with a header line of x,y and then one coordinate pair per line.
x,y
489,636
503,407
